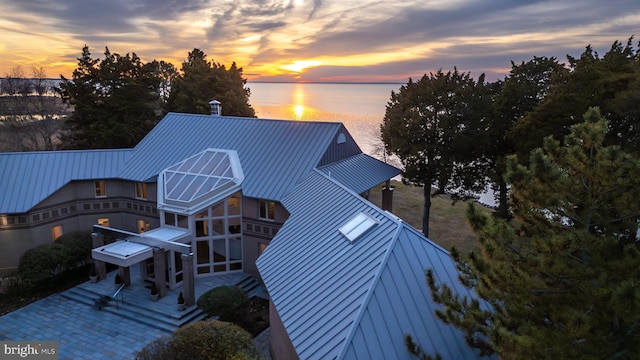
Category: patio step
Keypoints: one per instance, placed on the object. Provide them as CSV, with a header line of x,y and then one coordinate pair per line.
x,y
131,305
251,286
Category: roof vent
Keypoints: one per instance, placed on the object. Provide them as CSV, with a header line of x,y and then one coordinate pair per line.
x,y
357,226
216,108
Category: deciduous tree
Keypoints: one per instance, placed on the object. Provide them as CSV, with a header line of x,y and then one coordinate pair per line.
x,y
30,111
434,126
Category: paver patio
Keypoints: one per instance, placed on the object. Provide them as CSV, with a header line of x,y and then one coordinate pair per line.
x,y
85,333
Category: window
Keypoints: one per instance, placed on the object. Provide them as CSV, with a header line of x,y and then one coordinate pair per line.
x,y
143,226
261,248
103,222
100,189
267,210
56,232
141,190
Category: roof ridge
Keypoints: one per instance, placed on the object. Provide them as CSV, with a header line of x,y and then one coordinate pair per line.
x,y
370,291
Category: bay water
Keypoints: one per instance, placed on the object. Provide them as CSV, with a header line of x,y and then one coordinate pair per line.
x,y
360,107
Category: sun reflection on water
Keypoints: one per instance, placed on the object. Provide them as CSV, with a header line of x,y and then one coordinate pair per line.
x,y
298,112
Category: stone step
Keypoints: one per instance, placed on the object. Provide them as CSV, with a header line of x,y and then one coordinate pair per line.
x,y
251,286
144,312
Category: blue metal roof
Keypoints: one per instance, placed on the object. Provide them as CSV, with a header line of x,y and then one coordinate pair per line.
x,y
27,178
343,300
274,154
361,172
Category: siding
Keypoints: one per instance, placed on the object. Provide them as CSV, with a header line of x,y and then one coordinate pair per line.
x,y
28,178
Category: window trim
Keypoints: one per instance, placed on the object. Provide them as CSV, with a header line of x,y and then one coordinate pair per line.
x,y
141,191
53,232
100,185
266,203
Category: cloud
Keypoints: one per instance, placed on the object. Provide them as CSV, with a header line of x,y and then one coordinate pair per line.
x,y
397,38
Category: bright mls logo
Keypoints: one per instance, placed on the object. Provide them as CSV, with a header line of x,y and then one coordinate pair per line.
x,y
45,350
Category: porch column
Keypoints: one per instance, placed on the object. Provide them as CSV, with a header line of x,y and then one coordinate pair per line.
x,y
125,275
188,283
97,240
159,269
387,196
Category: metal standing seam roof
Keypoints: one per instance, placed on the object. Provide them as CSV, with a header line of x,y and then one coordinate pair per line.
x,y
27,178
274,154
360,172
342,300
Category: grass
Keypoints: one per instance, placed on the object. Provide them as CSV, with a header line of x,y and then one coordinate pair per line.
x,y
447,225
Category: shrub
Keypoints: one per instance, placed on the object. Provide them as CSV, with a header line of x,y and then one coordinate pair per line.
x,y
212,339
229,303
158,349
41,263
77,247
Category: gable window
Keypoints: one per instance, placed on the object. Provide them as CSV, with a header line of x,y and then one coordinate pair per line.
x,y
100,189
141,190
56,232
103,222
267,210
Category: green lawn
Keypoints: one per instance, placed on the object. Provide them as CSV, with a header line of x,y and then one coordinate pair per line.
x,y
448,225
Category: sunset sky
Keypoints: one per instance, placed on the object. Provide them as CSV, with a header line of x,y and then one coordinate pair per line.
x,y
314,40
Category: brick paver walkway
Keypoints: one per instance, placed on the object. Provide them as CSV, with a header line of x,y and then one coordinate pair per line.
x,y
85,333
82,332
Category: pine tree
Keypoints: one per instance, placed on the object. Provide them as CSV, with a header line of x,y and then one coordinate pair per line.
x,y
563,279
115,101
201,81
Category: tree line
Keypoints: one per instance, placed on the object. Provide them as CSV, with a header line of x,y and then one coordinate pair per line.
x,y
113,101
558,270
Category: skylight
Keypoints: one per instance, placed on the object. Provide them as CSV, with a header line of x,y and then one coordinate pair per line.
x,y
357,226
199,180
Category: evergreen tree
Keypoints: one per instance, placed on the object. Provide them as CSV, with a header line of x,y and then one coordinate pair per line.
x,y
563,280
610,82
522,90
433,126
115,101
201,81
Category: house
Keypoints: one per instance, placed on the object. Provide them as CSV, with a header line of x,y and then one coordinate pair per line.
x,y
203,195
217,182
354,280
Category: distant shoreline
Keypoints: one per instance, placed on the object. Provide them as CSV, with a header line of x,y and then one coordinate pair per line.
x,y
274,82
326,82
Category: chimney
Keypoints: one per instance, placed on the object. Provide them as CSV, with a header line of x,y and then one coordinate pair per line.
x,y
216,108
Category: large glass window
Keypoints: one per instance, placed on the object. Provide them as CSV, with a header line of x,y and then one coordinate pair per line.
x,y
218,232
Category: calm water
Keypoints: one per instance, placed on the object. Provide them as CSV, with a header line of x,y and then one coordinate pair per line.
x,y
360,107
